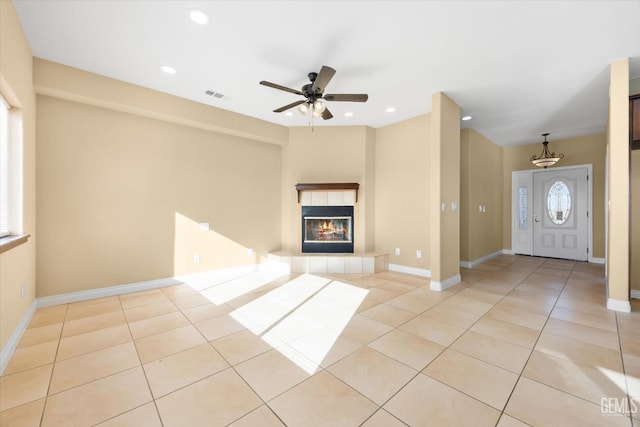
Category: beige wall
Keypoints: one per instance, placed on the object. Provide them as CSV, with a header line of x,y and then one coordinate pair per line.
x,y
634,89
402,191
577,151
17,266
481,164
120,195
635,219
325,154
445,190
618,183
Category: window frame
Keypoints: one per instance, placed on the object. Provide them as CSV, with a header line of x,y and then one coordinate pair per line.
x,y
11,178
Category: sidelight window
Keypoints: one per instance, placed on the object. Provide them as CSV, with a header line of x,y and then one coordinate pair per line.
x,y
522,208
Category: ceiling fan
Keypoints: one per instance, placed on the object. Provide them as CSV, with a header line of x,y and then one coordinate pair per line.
x,y
314,93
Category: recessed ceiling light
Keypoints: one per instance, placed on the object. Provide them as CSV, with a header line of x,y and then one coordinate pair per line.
x,y
288,114
348,114
198,16
465,118
391,109
167,69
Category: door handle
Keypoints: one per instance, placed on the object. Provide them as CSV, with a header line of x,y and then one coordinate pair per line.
x,y
535,218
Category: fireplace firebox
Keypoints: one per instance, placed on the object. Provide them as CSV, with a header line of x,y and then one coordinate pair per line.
x,y
327,229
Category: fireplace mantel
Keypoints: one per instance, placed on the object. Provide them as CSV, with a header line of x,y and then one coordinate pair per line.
x,y
327,186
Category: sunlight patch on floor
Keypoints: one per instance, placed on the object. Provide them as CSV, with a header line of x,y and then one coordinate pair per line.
x,y
265,311
303,318
234,288
618,379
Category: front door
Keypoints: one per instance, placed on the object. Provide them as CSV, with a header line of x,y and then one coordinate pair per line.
x,y
560,213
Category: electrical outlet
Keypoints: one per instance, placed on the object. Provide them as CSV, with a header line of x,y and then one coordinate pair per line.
x,y
397,251
418,253
204,226
249,252
196,258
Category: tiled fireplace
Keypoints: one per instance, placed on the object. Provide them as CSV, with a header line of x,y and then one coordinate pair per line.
x,y
328,215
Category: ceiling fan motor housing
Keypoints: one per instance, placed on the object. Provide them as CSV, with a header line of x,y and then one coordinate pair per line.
x,y
307,90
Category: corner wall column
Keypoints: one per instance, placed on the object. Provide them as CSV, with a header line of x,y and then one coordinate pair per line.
x,y
617,258
445,192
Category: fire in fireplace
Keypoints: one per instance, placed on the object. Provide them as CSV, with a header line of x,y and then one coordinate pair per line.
x,y
327,229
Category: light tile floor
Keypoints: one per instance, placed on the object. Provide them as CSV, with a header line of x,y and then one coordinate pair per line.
x,y
522,341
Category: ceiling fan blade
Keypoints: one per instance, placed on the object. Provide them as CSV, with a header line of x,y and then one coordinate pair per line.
x,y
284,88
286,107
323,78
326,114
352,97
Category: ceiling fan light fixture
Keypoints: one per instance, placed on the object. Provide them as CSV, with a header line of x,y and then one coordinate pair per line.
x,y
546,158
303,108
319,106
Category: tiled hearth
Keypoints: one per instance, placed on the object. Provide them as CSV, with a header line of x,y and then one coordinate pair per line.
x,y
332,263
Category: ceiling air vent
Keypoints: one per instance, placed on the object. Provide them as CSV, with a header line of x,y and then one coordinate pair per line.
x,y
218,95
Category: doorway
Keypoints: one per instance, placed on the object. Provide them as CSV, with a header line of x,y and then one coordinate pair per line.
x,y
551,212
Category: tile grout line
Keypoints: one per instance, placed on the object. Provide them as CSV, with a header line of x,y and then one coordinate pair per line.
x,y
506,403
624,372
144,372
53,366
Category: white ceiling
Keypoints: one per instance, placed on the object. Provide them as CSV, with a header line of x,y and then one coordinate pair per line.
x,y
520,68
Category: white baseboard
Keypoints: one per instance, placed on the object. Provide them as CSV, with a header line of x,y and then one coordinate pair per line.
x,y
198,281
16,336
447,283
591,259
105,292
635,293
474,263
423,272
618,305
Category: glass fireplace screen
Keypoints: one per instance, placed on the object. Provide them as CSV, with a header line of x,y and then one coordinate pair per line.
x,y
327,229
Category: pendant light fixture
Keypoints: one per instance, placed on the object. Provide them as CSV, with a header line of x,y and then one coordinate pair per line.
x,y
546,158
